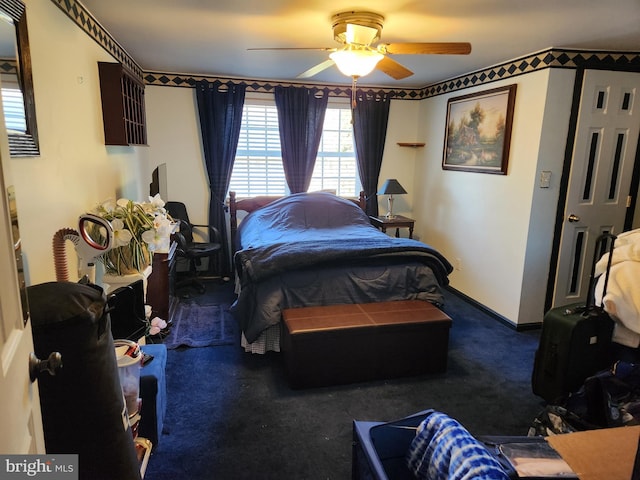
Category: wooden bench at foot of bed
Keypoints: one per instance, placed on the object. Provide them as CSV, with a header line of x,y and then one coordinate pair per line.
x,y
341,344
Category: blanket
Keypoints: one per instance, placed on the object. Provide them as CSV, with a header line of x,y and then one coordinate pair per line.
x,y
307,230
622,298
256,264
443,450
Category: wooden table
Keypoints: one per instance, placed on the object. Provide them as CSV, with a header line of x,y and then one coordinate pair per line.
x,y
397,221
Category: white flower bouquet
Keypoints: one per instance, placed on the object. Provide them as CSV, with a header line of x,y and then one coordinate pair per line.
x,y
139,230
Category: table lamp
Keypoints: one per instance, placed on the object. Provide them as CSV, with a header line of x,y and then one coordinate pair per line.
x,y
391,187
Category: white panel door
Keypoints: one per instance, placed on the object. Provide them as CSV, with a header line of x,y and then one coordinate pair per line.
x,y
20,420
600,176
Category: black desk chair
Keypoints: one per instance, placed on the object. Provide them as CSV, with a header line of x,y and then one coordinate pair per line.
x,y
193,251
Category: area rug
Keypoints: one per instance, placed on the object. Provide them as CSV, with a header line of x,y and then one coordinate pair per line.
x,y
201,326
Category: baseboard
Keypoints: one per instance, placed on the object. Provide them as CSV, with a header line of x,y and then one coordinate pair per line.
x,y
502,319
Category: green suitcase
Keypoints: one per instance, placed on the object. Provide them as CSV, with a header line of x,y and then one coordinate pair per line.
x,y
574,344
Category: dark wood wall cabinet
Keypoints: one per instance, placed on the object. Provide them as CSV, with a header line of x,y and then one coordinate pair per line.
x,y
123,112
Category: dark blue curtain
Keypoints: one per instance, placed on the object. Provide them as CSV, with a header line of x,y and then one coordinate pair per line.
x,y
220,111
370,117
301,118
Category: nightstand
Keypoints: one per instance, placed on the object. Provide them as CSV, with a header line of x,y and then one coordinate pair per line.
x,y
397,221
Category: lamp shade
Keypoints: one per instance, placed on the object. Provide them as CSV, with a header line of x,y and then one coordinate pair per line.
x,y
356,62
391,186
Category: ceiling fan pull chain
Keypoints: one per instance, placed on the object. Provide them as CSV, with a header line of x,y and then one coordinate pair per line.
x,y
353,91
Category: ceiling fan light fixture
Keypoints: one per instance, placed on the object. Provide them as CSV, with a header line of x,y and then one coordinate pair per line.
x,y
356,62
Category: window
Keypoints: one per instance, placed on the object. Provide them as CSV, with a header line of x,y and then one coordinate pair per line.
x,y
336,167
257,169
258,164
13,105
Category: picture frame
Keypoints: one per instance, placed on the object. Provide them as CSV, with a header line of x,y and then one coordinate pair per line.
x,y
478,131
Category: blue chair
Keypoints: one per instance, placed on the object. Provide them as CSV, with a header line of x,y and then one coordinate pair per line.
x,y
153,392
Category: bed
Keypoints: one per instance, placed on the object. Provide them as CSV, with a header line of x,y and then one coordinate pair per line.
x,y
314,249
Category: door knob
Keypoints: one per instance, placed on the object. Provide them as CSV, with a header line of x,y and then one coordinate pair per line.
x,y
52,365
573,218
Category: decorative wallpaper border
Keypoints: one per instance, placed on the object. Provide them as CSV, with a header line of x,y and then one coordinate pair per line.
x,y
259,86
8,65
77,12
549,58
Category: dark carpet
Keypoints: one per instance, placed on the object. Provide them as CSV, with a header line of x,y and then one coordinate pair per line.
x,y
232,415
197,325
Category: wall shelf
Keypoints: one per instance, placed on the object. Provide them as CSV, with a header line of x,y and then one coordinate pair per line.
x,y
411,144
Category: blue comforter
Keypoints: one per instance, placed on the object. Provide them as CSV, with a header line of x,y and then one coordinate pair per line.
x,y
327,240
256,264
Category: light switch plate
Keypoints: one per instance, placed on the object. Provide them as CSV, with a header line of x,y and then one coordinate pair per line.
x,y
545,179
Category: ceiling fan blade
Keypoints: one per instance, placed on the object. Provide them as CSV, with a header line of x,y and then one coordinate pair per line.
x,y
317,69
393,69
442,48
322,49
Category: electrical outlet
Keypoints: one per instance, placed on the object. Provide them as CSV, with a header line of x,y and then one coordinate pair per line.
x,y
458,263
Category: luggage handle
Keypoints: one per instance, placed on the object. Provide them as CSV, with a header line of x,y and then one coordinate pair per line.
x,y
591,298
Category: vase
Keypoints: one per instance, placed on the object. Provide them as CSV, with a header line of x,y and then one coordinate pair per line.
x,y
127,259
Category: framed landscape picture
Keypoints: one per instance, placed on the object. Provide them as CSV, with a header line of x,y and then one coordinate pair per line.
x,y
478,131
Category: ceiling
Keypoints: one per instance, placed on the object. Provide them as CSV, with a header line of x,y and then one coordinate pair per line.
x,y
211,37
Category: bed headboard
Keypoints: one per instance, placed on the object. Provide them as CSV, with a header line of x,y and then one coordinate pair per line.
x,y
250,204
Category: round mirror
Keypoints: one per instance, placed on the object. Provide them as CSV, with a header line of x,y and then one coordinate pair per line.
x,y
96,232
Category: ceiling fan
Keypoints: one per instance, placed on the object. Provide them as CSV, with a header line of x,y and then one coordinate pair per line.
x,y
359,55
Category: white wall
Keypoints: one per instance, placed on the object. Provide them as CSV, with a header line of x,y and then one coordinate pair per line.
x,y
400,162
75,170
553,140
483,223
173,133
